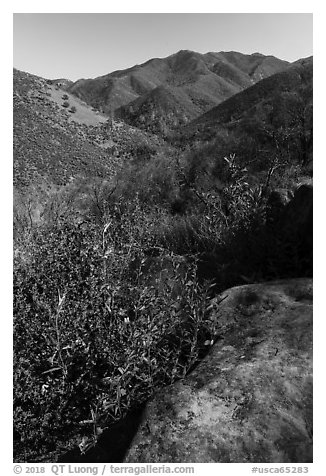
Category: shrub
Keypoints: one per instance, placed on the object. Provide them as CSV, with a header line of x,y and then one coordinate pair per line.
x,y
72,109
94,333
92,338
65,104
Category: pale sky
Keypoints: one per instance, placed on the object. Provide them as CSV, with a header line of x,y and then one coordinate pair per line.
x,y
87,45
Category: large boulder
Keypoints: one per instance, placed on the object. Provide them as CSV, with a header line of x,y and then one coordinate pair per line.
x,y
297,218
276,201
293,234
250,399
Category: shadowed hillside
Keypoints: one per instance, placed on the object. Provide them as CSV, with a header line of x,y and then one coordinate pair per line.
x,y
296,79
272,118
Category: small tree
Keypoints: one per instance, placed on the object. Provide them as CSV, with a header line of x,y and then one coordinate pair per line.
x,y
65,104
65,97
72,109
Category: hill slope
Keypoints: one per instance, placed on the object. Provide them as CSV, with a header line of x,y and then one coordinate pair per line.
x,y
271,117
160,110
197,81
294,79
57,137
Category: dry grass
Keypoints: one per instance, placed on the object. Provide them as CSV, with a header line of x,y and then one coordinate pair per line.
x,y
84,114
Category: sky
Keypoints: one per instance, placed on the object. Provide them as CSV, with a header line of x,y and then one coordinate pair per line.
x,y
87,45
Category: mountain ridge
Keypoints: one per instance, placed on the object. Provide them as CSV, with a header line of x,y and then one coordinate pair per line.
x,y
204,80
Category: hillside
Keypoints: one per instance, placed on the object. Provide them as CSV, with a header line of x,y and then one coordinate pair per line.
x,y
141,94
58,137
162,109
273,115
294,79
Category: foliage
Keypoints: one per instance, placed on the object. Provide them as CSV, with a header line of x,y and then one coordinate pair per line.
x,y
92,340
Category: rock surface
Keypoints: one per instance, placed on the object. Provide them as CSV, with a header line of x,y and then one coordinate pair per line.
x,y
250,399
297,218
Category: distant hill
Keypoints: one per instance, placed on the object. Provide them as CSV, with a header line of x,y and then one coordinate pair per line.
x,y
183,85
274,113
63,83
294,79
58,137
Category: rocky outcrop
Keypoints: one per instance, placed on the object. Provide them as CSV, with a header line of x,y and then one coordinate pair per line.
x,y
250,399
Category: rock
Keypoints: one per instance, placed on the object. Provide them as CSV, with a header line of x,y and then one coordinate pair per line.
x,y
280,197
288,236
297,216
111,445
276,202
294,231
250,399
